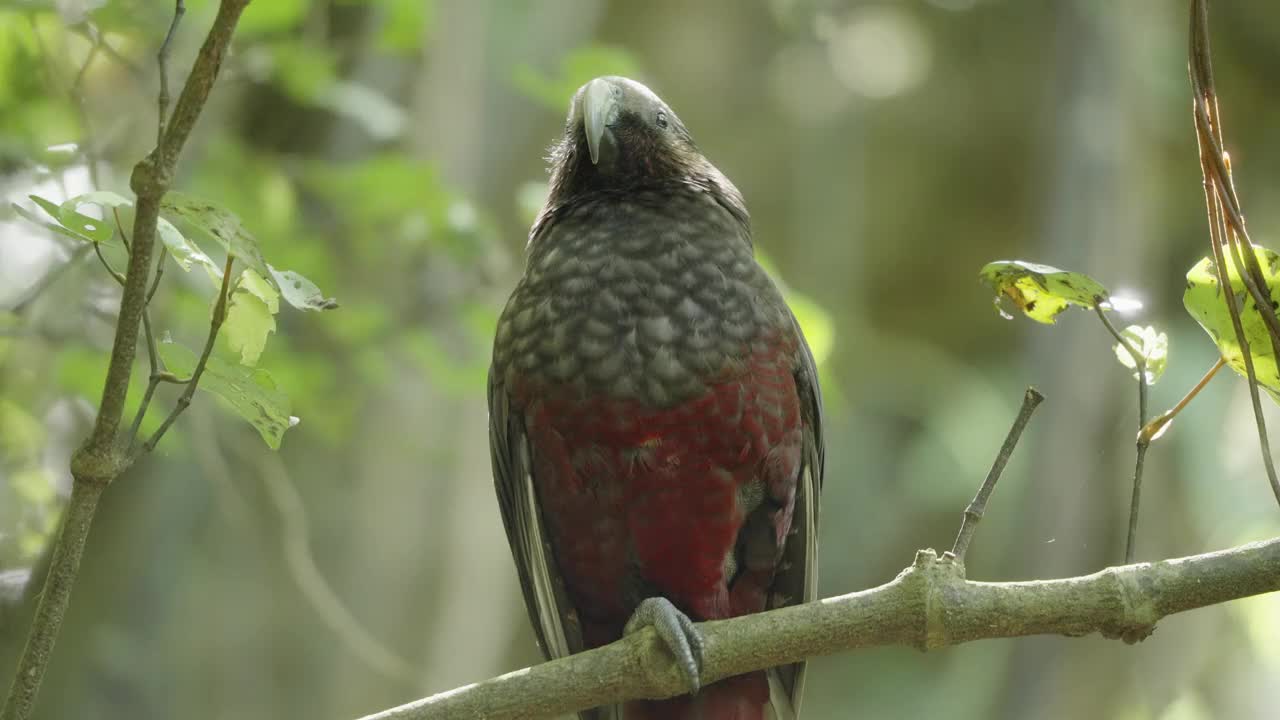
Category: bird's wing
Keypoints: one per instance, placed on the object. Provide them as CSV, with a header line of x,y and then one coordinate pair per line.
x,y
797,577
554,619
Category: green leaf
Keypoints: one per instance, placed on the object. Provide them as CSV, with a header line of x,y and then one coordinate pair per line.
x,y
221,225
265,291
52,227
96,230
301,292
1041,291
184,252
101,198
251,392
70,223
575,70
1149,343
48,206
248,323
251,316
1203,299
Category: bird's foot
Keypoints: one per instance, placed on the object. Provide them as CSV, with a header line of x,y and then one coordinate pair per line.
x,y
676,631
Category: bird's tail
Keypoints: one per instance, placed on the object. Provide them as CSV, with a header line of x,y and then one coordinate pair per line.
x,y
754,696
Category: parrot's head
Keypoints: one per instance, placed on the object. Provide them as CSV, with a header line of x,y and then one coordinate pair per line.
x,y
620,135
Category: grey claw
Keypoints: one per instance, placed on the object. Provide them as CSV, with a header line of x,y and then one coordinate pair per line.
x,y
676,631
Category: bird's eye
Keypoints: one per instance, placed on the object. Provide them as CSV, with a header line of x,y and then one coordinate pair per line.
x,y
662,120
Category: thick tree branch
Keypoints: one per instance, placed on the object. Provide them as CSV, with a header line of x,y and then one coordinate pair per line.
x,y
929,605
102,458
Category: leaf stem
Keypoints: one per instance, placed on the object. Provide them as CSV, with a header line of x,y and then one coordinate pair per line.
x,y
184,400
1156,426
1140,455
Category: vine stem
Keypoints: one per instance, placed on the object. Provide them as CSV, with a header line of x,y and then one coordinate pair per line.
x,y
1226,221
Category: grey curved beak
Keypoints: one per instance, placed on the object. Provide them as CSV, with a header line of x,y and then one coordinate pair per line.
x,y
599,108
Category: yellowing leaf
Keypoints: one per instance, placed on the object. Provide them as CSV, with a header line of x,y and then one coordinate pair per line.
x,y
1041,292
249,321
1203,299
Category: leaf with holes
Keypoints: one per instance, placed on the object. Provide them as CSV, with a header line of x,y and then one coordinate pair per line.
x,y
51,227
98,231
1041,292
251,392
1203,299
1151,344
214,222
301,292
75,231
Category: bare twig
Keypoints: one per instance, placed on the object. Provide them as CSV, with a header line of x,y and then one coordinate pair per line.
x,y
1221,201
1140,365
100,460
929,605
162,59
973,513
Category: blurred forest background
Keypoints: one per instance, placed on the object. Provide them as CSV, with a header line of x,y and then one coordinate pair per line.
x,y
392,151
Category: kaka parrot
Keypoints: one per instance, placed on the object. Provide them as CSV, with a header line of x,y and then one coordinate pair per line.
x,y
654,414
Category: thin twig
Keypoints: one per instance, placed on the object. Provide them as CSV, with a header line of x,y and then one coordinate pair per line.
x,y
1139,364
162,59
110,270
973,513
219,315
155,282
100,460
